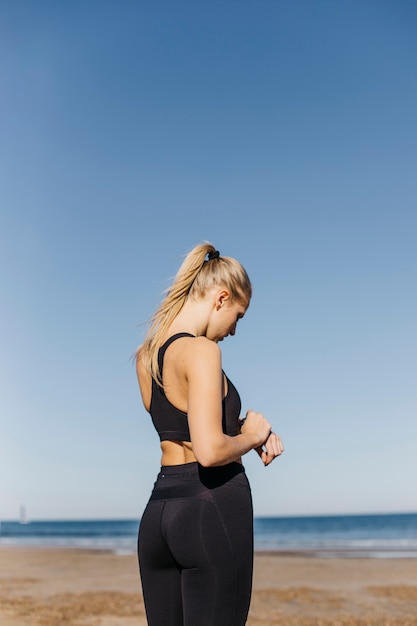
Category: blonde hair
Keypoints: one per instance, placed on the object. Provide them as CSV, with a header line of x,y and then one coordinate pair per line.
x,y
196,276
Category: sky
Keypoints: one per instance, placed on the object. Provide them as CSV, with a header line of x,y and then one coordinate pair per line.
x,y
282,131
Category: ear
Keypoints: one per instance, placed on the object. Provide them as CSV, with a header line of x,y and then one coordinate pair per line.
x,y
222,297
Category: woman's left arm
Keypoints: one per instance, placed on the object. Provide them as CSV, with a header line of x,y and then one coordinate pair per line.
x,y
272,448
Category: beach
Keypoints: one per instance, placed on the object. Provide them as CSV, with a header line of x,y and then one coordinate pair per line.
x,y
51,586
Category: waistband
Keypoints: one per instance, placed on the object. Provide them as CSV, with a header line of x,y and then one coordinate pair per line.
x,y
194,480
197,470
179,470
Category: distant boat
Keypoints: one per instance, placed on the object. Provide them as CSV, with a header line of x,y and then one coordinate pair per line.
x,y
23,519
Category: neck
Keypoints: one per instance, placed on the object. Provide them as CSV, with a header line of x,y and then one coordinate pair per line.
x,y
193,318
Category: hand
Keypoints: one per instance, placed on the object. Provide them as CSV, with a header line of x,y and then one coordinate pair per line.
x,y
272,448
256,424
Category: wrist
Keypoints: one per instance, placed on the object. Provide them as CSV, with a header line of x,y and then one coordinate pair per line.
x,y
252,438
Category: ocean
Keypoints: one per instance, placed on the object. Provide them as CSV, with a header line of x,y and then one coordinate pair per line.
x,y
372,536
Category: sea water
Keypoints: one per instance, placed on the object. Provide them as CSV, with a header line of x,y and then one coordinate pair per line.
x,y
391,535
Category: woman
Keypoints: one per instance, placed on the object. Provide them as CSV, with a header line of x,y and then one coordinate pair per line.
x,y
196,535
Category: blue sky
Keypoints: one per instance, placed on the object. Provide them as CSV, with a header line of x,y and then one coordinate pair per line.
x,y
283,132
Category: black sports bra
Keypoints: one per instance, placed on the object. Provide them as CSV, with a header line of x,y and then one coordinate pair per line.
x,y
171,423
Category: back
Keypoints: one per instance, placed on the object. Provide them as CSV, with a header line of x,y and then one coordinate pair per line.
x,y
171,423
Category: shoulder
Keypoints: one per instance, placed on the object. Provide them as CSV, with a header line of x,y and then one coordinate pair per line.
x,y
189,351
198,352
200,346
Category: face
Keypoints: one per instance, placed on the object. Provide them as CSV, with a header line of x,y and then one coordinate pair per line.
x,y
226,317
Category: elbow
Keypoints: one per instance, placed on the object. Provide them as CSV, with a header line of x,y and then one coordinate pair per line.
x,y
211,451
212,456
209,455
206,459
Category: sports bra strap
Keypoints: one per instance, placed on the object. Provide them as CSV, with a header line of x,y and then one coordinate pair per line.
x,y
165,346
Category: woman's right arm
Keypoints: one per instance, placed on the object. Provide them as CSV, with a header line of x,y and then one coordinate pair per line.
x,y
145,382
201,363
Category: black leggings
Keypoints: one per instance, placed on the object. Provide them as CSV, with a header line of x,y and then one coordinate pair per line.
x,y
196,547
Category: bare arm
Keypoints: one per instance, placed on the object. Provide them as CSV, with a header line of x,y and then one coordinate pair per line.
x,y
145,383
211,447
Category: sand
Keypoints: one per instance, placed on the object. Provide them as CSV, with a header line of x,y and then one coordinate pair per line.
x,y
51,587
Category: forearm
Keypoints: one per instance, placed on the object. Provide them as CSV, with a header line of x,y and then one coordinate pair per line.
x,y
225,449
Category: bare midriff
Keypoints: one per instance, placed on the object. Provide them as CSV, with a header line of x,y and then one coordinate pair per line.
x,y
177,453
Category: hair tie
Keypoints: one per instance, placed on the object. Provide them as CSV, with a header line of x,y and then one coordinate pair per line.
x,y
213,255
